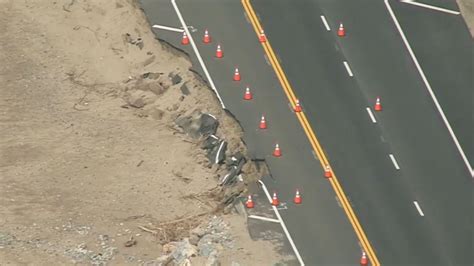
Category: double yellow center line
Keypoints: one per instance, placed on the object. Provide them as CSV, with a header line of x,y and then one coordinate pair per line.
x,y
311,136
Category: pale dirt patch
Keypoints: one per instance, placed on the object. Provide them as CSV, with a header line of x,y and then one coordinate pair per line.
x,y
467,11
80,169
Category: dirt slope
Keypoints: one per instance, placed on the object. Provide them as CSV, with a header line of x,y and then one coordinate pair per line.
x,y
80,167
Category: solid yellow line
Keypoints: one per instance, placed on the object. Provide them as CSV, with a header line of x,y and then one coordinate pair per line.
x,y
312,137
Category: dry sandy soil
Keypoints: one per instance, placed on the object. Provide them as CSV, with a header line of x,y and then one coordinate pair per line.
x,y
467,11
80,168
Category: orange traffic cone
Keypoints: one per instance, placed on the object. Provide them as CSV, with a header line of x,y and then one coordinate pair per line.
x,y
297,199
341,32
249,203
263,123
277,151
363,260
247,94
275,200
207,37
297,106
185,39
378,105
327,172
262,37
236,75
219,52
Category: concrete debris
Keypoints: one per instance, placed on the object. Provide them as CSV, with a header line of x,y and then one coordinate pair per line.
x,y
175,78
198,124
217,154
210,142
183,251
208,125
235,159
184,89
234,264
229,178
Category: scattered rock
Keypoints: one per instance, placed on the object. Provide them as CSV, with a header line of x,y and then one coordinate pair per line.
x,y
183,251
164,82
6,239
139,98
151,75
131,242
149,60
194,239
234,264
198,231
128,39
156,88
156,113
212,259
164,260
168,248
216,235
206,245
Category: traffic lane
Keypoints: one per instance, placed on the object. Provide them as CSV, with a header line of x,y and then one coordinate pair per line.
x,y
443,46
265,230
339,108
297,166
410,122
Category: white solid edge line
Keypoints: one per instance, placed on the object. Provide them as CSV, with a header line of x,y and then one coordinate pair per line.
x,y
445,10
394,161
264,218
349,71
167,28
219,152
325,23
282,223
418,208
428,86
198,55
372,117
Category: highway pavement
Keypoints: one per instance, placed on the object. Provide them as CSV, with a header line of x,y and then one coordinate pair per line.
x,y
444,48
431,170
319,227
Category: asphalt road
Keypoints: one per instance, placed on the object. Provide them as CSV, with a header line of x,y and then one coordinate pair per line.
x,y
319,227
432,171
444,47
